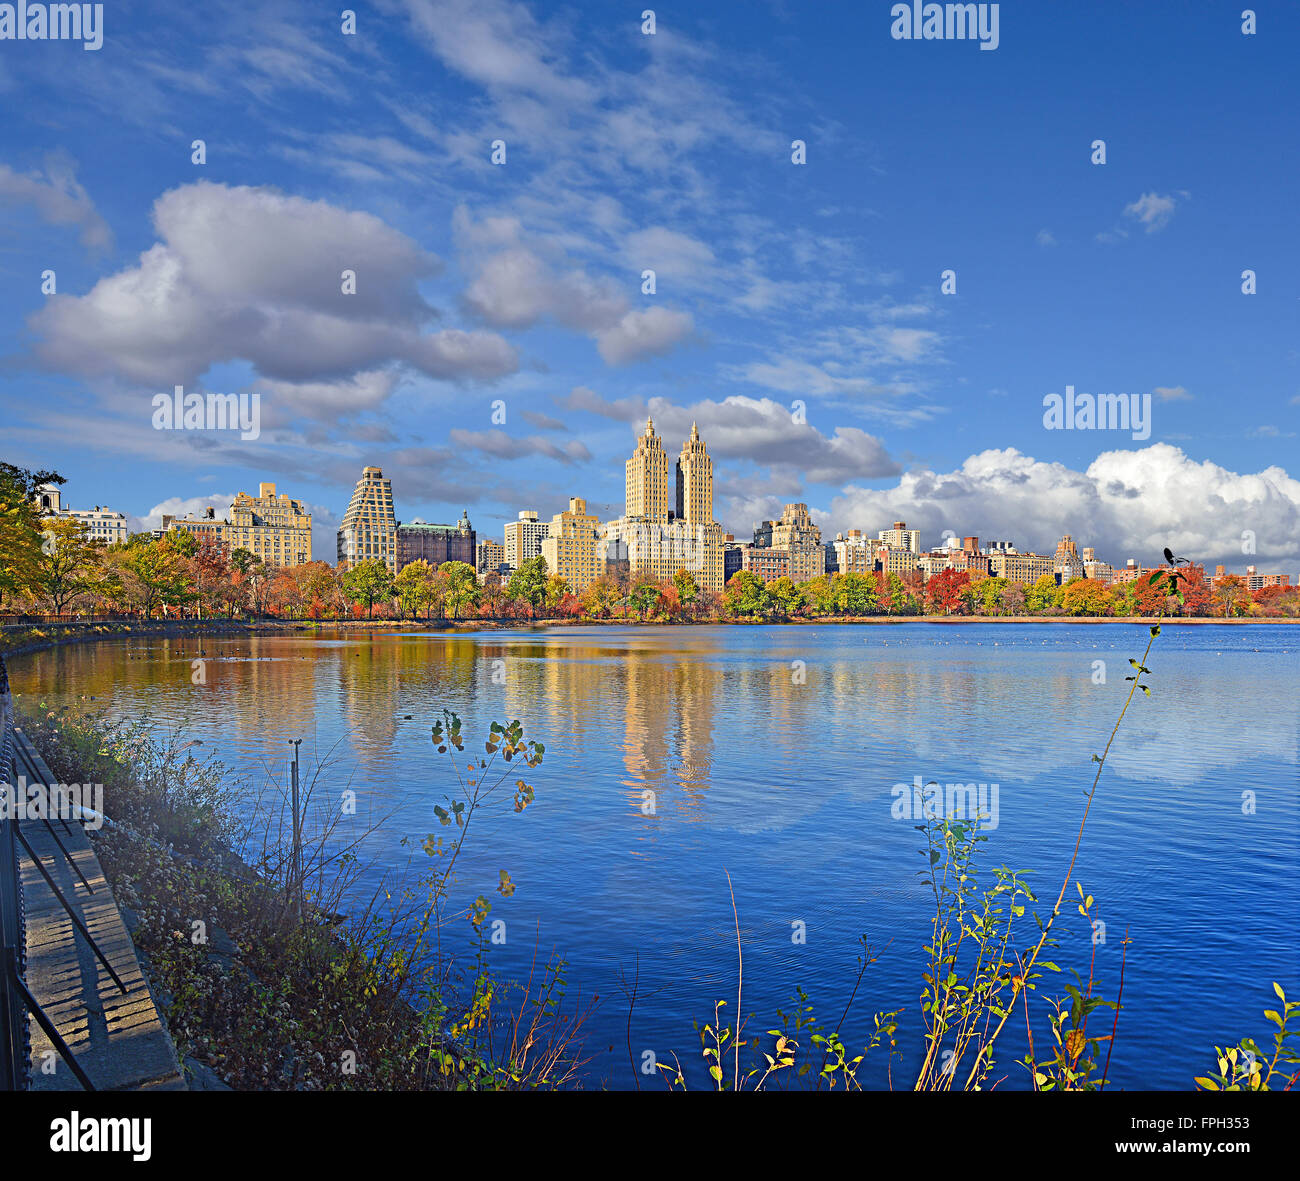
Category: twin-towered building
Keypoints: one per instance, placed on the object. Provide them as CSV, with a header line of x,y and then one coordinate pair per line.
x,y
668,526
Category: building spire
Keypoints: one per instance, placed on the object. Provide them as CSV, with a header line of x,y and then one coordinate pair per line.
x,y
649,425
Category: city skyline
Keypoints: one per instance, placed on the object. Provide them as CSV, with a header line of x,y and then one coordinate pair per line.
x,y
500,321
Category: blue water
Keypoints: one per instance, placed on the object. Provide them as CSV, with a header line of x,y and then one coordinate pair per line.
x,y
781,775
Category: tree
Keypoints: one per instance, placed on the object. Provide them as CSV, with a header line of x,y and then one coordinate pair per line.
x,y
1087,596
416,587
854,594
944,591
527,585
1197,599
556,589
786,597
1012,598
152,574
460,586
600,597
368,581
1044,596
1231,595
68,562
817,594
20,538
987,594
644,597
746,596
1152,598
688,590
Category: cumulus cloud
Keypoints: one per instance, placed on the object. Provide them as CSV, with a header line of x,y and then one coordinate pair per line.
x,y
1128,504
649,333
756,430
250,274
58,198
515,286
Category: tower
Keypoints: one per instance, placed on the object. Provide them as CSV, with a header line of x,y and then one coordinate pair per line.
x,y
695,481
647,477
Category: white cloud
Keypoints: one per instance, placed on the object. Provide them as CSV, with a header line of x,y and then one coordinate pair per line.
x,y
638,335
1128,504
1152,210
244,273
1045,238
1172,393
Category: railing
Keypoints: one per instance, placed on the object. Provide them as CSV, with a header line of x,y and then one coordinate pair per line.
x,y
14,1040
16,999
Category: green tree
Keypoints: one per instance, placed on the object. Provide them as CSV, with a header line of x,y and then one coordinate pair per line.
x,y
153,574
786,597
1043,596
644,597
460,587
69,562
988,595
20,537
527,585
416,587
688,590
368,582
854,594
746,596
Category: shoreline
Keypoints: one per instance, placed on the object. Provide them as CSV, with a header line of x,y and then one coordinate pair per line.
x,y
39,637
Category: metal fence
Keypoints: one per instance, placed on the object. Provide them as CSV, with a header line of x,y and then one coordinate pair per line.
x,y
16,1000
14,1038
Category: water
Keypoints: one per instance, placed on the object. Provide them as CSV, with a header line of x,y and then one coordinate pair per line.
x,y
781,773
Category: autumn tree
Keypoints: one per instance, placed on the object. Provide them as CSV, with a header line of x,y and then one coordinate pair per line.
x,y
370,582
1086,596
944,591
68,564
460,586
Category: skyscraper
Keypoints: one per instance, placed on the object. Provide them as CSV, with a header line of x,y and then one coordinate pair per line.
x,y
647,477
695,481
658,545
369,528
524,538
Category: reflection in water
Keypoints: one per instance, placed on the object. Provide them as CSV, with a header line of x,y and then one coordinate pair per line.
x,y
771,753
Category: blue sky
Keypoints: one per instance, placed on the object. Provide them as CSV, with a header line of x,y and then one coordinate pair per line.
x,y
521,283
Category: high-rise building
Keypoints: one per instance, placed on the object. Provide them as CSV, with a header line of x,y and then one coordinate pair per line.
x,y
801,540
524,538
854,554
695,481
658,542
901,537
489,555
646,478
101,524
369,529
436,544
572,547
276,529
1067,564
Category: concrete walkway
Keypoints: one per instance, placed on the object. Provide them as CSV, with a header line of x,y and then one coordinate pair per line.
x,y
118,1038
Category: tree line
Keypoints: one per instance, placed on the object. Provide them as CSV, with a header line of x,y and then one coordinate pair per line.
x,y
52,565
